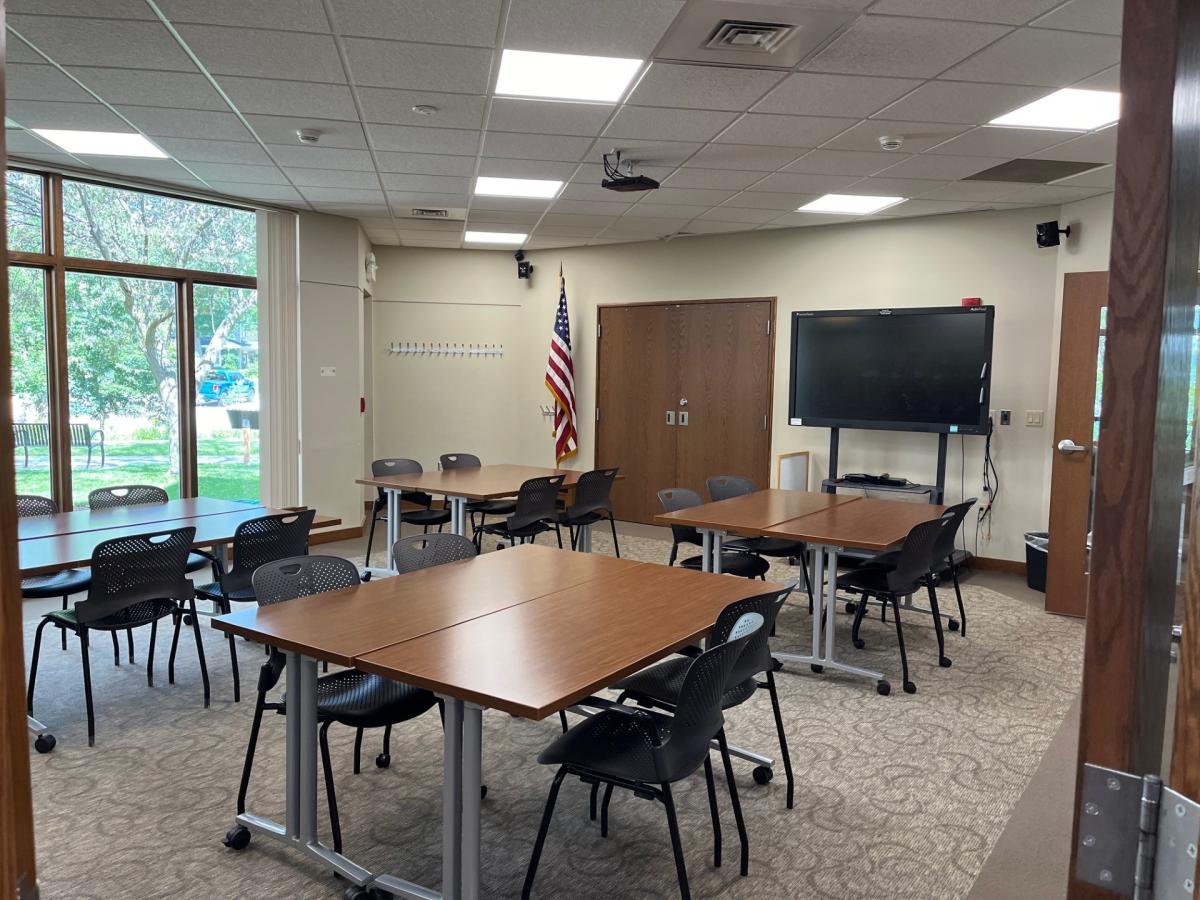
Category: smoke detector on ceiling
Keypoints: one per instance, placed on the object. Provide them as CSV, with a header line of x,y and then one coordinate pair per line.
x,y
891,142
308,135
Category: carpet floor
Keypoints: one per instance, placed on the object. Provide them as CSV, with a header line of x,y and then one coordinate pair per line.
x,y
899,797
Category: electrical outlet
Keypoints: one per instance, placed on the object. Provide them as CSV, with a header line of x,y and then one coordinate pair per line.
x,y
329,371
1034,418
1006,417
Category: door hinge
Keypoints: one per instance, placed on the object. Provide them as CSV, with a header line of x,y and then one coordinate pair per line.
x,y
768,327
597,414
764,423
27,890
598,326
1137,837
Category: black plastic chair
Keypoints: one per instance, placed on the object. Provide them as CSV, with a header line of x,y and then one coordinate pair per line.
x,y
734,561
481,508
57,584
535,513
646,752
660,684
349,697
255,542
136,581
399,466
139,495
593,503
910,573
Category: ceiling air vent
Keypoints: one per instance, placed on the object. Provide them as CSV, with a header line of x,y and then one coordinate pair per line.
x,y
431,213
749,37
1033,171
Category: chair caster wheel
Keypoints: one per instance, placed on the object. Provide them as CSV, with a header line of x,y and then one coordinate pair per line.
x,y
817,669
851,606
763,774
187,620
776,665
44,743
383,760
859,643
952,624
883,688
909,687
944,662
237,838
354,892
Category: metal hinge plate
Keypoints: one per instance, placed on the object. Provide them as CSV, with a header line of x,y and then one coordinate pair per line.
x,y
26,890
1137,837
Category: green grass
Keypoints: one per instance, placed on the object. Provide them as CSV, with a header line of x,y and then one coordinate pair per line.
x,y
221,471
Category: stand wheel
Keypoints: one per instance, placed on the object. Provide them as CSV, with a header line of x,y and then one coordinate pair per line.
x,y
776,664
44,743
883,688
909,687
817,669
952,624
383,760
944,662
354,892
763,774
237,838
859,643
851,606
187,620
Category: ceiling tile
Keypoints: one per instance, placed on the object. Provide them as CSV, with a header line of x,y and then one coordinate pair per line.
x,y
187,123
178,90
20,52
526,168
432,67
661,124
943,166
333,178
784,131
709,226
714,179
491,217
391,107
844,162
1102,16
970,103
648,210
915,48
511,204
536,146
702,87
578,231
100,9
626,28
282,130
803,183
233,152
1008,12
155,169
690,196
1003,142
289,15
426,184
26,142
290,98
1039,56
587,189
775,200
1055,193
978,191
1100,147
441,229
741,214
103,42
425,163
591,207
322,157
742,156
927,208
548,116
1103,177
266,54
234,173
808,220
819,94
893,187
470,22
1108,80
648,226
563,220
644,153
419,199
918,136
410,139
342,195
26,82
80,116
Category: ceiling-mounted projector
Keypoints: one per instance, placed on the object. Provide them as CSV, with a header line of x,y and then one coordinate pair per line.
x,y
626,181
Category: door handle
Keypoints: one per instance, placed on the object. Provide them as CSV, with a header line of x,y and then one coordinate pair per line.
x,y
683,417
1067,446
670,417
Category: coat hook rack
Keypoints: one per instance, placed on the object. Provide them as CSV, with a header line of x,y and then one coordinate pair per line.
x,y
442,348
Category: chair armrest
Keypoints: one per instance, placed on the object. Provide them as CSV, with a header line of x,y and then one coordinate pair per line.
x,y
644,719
218,568
98,432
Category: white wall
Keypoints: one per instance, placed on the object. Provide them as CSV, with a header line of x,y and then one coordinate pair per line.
x,y
430,405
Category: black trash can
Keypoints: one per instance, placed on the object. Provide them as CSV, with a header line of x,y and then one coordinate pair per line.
x,y
1037,545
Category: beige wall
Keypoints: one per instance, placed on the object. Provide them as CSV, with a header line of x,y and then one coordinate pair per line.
x,y
429,405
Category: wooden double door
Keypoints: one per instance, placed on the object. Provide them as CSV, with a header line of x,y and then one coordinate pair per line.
x,y
683,392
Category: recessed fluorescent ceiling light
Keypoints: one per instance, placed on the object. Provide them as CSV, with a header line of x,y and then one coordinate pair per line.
x,y
1069,109
495,237
101,143
850,204
487,186
564,76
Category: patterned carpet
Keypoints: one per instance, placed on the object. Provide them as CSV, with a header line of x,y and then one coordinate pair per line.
x,y
902,796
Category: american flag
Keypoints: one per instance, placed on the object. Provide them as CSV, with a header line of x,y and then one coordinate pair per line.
x,y
560,379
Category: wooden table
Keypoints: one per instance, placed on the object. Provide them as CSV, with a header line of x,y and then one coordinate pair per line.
x,y
866,524
528,630
462,485
749,515
81,520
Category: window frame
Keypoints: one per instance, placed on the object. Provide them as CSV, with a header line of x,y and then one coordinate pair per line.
x,y
56,264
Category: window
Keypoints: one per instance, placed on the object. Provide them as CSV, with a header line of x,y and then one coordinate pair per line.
x,y
144,281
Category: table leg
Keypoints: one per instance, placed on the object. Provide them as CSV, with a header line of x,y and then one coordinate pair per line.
x,y
472,779
706,537
393,525
830,599
458,516
452,796
717,537
583,539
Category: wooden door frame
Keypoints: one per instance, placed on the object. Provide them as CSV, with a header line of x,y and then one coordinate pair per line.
x,y
774,301
1152,295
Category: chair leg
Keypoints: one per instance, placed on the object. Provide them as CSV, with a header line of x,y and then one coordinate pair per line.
x,y
129,642
731,782
200,650
150,654
943,659
608,792
595,792
233,664
116,649
334,822
860,613
909,687
558,534
33,663
616,544
547,815
574,538
783,747
371,537
358,751
713,810
250,747
962,612
178,617
387,745
87,685
676,846
62,631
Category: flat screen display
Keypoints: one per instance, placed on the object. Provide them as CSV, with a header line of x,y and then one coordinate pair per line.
x,y
922,369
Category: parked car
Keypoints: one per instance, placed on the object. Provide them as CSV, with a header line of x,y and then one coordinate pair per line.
x,y
225,386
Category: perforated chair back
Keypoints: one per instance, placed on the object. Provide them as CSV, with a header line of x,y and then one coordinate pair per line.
x,y
673,499
263,540
126,495
382,467
459,461
35,505
422,551
916,556
138,576
756,657
954,516
593,492
536,501
723,487
698,715
302,576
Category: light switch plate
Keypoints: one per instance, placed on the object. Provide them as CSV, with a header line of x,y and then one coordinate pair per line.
x,y
328,371
1034,418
